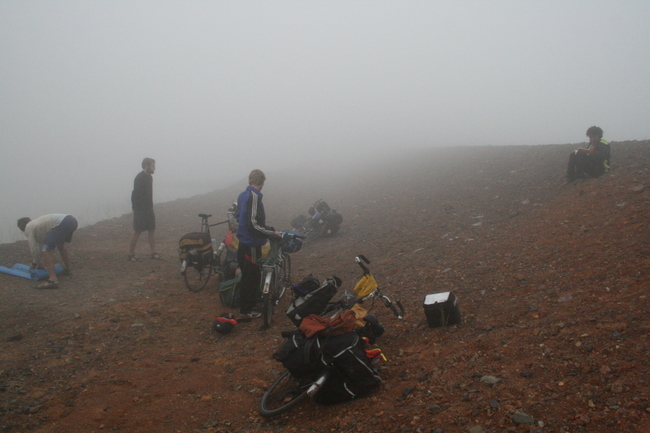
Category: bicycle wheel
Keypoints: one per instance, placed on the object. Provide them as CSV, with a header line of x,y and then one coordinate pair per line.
x,y
196,278
312,234
285,273
282,395
269,278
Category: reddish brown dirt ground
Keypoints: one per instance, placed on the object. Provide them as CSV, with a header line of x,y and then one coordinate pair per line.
x,y
552,279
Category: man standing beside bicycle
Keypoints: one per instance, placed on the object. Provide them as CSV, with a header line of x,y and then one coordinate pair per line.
x,y
252,233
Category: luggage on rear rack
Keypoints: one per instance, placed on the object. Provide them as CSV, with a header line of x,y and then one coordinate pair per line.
x,y
313,302
196,248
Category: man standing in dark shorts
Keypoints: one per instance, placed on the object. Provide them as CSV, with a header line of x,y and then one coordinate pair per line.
x,y
144,220
252,233
44,234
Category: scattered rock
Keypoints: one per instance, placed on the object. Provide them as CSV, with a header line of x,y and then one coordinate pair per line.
x,y
490,380
522,418
15,337
408,390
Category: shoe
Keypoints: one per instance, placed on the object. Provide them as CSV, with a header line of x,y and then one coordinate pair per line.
x,y
49,284
252,315
133,258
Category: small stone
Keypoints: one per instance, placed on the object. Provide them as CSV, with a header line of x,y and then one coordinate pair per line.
x,y
16,337
494,404
490,380
523,418
527,374
434,408
406,391
476,429
638,188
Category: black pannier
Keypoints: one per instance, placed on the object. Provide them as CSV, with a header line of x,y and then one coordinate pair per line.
x,y
334,218
301,355
313,302
196,248
352,375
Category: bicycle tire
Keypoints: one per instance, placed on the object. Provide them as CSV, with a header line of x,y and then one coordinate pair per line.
x,y
196,278
284,393
286,271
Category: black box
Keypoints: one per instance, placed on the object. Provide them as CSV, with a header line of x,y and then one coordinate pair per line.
x,y
441,309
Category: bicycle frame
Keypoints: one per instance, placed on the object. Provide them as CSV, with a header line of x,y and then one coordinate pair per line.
x,y
197,277
275,278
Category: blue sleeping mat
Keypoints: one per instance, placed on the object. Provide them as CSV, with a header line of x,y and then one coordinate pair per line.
x,y
24,272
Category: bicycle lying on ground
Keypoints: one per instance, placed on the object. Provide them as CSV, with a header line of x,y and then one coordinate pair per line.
x,y
323,221
276,273
322,366
199,258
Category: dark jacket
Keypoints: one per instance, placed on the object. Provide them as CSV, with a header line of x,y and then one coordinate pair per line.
x,y
252,230
142,195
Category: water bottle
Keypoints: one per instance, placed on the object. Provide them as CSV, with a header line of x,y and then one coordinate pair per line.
x,y
214,243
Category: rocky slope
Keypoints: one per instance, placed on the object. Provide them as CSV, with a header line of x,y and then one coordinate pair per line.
x,y
552,280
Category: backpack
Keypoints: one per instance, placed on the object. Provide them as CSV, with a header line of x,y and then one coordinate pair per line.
x,y
229,292
198,242
307,285
314,302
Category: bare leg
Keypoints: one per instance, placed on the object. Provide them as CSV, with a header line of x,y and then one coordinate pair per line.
x,y
66,257
48,260
152,241
133,242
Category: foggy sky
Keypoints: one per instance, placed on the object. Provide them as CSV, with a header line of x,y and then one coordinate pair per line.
x,y
213,89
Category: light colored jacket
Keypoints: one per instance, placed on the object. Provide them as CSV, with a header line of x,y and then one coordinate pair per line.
x,y
35,230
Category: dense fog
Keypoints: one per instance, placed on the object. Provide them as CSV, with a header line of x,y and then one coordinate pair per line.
x,y
213,89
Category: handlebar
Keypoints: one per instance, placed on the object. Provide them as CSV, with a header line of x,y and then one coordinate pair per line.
x,y
393,306
358,259
396,308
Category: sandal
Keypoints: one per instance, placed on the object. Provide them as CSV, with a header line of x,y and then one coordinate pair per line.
x,y
133,258
156,256
49,284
